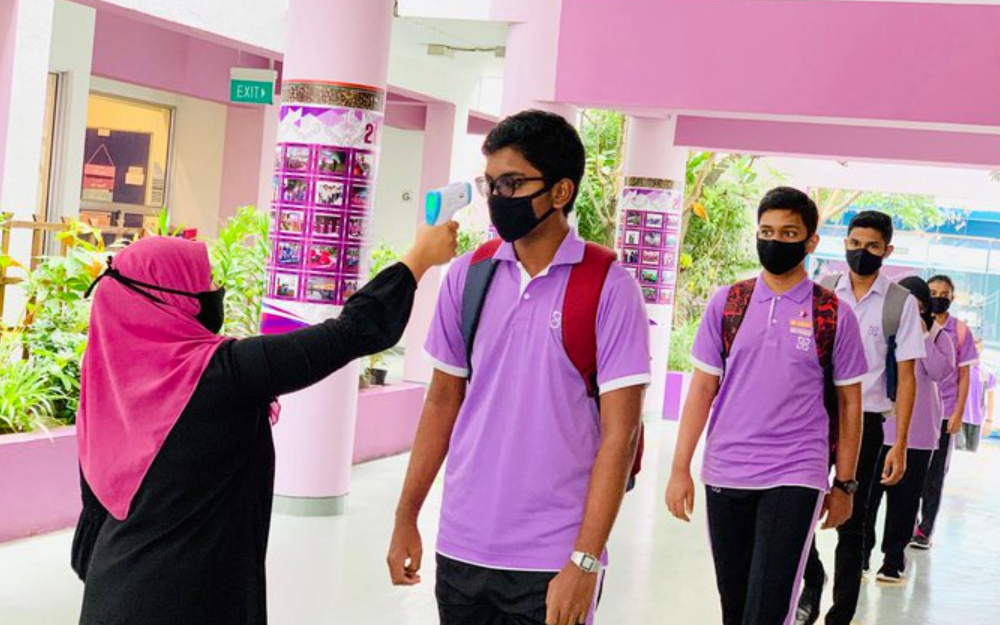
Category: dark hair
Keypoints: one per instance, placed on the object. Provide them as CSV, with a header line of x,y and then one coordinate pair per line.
x,y
547,141
789,199
875,220
919,289
942,278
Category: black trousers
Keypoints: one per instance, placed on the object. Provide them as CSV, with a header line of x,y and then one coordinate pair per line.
x,y
759,541
473,595
901,511
851,535
969,437
934,485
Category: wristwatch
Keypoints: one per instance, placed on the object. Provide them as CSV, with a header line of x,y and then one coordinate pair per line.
x,y
850,487
586,562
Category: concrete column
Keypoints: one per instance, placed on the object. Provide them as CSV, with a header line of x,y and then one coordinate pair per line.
x,y
329,131
649,214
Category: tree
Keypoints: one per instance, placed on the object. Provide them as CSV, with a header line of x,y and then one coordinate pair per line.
x,y
914,212
603,135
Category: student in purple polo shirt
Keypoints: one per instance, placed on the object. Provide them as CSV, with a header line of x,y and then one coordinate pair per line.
x,y
904,497
954,394
981,382
766,463
536,473
874,299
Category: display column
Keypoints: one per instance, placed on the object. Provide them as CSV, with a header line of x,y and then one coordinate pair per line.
x,y
649,228
329,130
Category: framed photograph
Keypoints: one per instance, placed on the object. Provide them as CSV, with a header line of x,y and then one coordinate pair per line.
x,y
326,225
276,189
633,218
295,190
364,164
329,193
356,228
348,288
291,222
630,257
650,295
668,259
286,285
667,276
352,259
633,271
673,220
279,154
289,253
654,221
297,158
323,257
332,161
632,237
666,297
360,197
649,276
321,289
650,257
652,239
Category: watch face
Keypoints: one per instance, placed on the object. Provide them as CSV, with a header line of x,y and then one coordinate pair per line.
x,y
588,563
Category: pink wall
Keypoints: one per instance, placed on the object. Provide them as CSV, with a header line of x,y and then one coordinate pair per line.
x,y
8,31
39,483
837,141
241,159
869,60
387,421
145,54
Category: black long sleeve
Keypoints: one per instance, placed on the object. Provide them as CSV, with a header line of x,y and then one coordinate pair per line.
x,y
373,320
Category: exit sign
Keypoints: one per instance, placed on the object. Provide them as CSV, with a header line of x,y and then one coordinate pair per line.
x,y
252,86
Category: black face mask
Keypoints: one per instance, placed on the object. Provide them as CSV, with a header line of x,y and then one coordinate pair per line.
x,y
863,262
779,257
940,305
213,310
514,218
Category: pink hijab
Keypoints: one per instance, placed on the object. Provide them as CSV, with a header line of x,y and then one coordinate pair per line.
x,y
142,364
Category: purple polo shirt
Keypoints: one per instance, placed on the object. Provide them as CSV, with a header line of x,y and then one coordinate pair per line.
x,y
980,382
967,356
769,427
909,337
925,426
527,434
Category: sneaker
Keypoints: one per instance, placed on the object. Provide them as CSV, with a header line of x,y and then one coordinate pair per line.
x,y
919,541
890,576
808,611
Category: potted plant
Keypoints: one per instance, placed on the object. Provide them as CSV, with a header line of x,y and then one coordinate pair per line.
x,y
374,371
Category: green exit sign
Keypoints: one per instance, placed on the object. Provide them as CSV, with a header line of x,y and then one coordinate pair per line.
x,y
252,86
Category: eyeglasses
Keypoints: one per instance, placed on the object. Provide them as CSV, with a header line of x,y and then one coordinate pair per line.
x,y
504,186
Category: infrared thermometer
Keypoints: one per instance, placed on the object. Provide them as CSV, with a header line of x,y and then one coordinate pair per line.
x,y
443,203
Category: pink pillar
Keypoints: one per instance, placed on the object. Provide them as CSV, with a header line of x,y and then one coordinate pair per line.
x,y
329,131
439,134
649,221
8,33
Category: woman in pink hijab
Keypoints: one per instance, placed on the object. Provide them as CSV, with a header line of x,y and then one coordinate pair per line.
x,y
174,430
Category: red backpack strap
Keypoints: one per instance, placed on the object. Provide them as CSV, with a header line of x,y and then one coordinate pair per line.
x,y
825,306
486,251
579,322
737,301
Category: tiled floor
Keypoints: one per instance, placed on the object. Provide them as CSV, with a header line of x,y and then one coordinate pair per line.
x,y
333,571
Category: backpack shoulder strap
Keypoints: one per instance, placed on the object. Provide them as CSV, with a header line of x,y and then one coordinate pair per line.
x,y
830,281
963,332
825,312
477,284
737,300
579,315
892,309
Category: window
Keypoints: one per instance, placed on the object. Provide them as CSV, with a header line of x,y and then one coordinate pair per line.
x,y
126,154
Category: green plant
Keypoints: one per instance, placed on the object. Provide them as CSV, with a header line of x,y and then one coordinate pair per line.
x,y
470,240
915,212
603,135
681,342
27,397
163,228
383,256
239,258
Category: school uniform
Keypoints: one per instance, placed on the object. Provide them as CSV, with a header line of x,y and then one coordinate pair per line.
x,y
904,497
875,403
766,461
980,383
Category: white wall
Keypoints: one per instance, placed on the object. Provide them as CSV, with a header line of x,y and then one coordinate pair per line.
x,y
395,219
194,178
258,23
71,55
447,9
